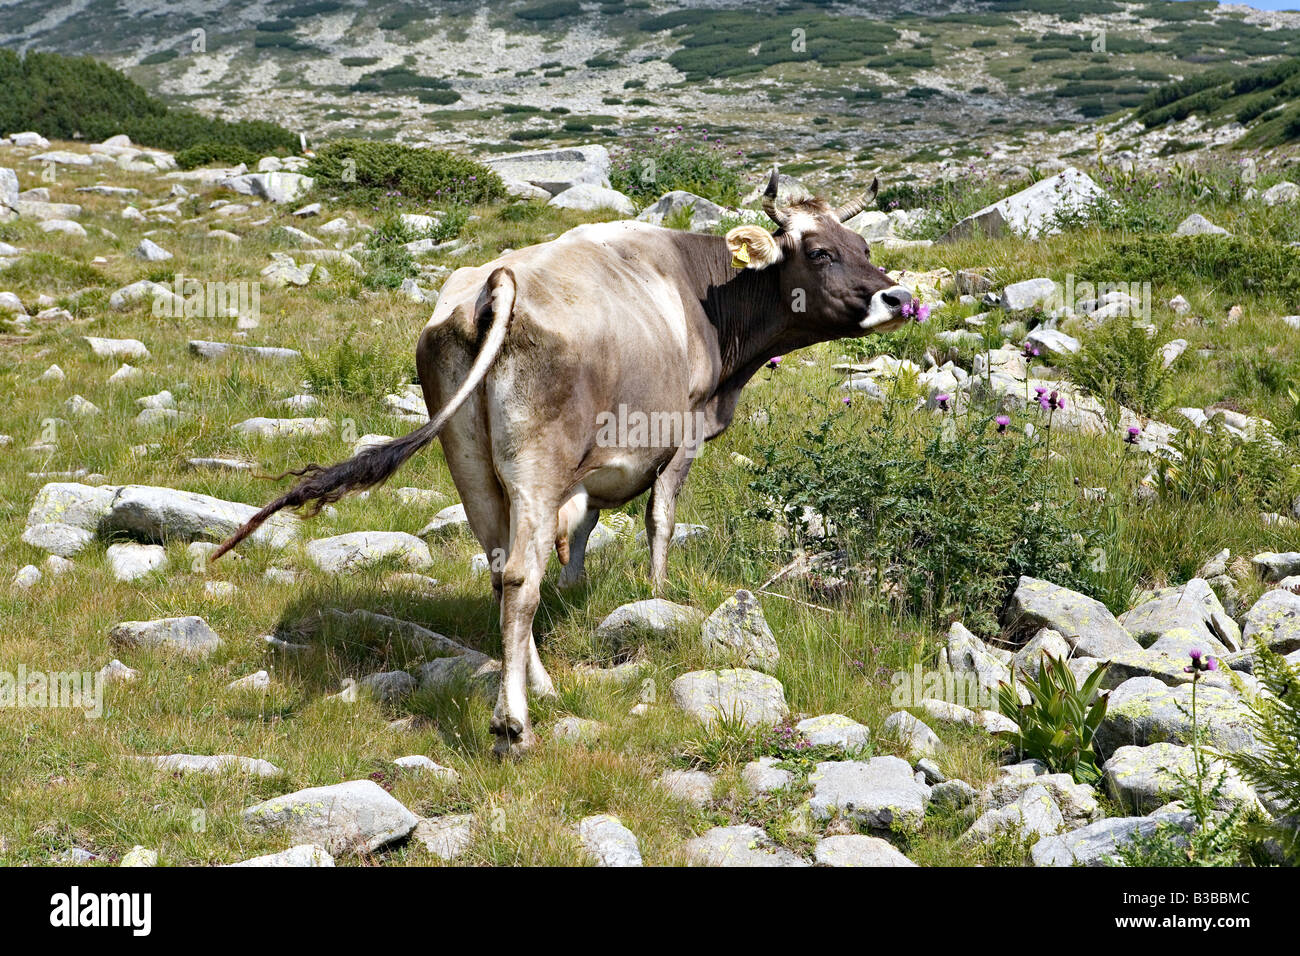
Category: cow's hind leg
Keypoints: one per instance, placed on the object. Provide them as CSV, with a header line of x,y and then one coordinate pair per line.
x,y
534,536
661,515
574,569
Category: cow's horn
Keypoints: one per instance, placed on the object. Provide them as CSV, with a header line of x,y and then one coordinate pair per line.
x,y
769,200
851,209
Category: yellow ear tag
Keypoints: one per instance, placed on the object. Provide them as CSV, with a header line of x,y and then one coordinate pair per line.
x,y
740,258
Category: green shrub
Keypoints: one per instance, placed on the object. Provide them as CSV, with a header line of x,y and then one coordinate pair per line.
x,y
1215,465
1119,362
1234,265
1059,723
646,169
219,154
347,369
366,171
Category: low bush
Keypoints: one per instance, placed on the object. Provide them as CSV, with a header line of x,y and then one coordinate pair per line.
x,y
366,171
647,169
209,153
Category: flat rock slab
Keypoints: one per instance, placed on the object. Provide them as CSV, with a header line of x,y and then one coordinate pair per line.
x,y
654,617
358,816
261,353
218,763
1141,779
165,514
609,842
445,837
690,786
116,348
738,846
858,850
737,633
65,540
912,732
1098,843
763,776
346,553
834,730
881,792
185,635
305,854
1145,710
1192,610
749,696
283,427
1086,624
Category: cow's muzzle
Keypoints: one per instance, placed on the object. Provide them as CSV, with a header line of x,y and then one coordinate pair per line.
x,y
886,306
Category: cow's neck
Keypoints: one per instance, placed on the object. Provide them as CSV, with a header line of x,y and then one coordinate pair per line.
x,y
754,323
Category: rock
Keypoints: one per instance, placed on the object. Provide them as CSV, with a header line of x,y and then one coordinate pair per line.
x,y
689,786
284,427
1167,660
738,846
749,696
150,251
834,730
1179,305
1027,294
1283,192
1275,620
704,213
857,850
1192,610
356,816
1145,710
305,854
476,672
1141,779
256,681
115,672
970,657
880,793
35,140
609,842
274,187
1086,624
989,720
349,553
185,635
912,733
1076,801
8,193
65,226
217,350
1032,212
1198,225
1097,843
388,687
445,837
81,506
425,765
737,633
1274,566
578,729
588,198
1053,341
1046,643
130,561
555,170
65,540
953,794
1171,351
165,514
451,518
655,617
139,856
27,577
63,157
1033,813
763,776
117,348
218,764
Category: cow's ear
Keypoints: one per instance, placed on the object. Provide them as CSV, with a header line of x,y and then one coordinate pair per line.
x,y
752,247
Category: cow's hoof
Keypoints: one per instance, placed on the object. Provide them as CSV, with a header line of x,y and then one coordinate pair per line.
x,y
514,740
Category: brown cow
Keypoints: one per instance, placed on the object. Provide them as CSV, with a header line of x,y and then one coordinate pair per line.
x,y
528,356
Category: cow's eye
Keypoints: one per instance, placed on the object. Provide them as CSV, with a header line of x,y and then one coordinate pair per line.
x,y
820,255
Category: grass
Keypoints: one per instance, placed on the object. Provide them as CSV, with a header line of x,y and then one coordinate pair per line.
x,y
67,780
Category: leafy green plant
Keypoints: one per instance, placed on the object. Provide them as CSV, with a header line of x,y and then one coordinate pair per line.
x,y
370,172
348,369
1058,724
1213,464
648,168
209,153
1119,362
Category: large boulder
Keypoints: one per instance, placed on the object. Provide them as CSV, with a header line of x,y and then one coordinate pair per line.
x,y
609,842
358,816
855,849
587,198
1145,710
737,633
1032,813
184,635
1098,843
273,187
738,846
881,792
1275,620
1142,779
749,696
654,616
1032,212
1191,610
705,214
346,553
556,170
165,514
1086,624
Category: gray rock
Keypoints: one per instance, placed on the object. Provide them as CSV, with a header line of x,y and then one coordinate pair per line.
x,y
358,816
953,794
1098,843
608,841
738,846
478,673
451,518
858,850
348,553
689,786
165,514
970,657
1032,212
1046,643
1283,192
1077,801
445,837
1027,294
116,348
389,687
834,730
305,854
1053,341
1192,609
139,856
186,635
276,187
130,561
704,213
654,617
65,540
1275,620
216,764
1033,813
880,793
1198,225
150,251
578,729
752,697
737,633
1275,566
1144,710
912,733
1141,779
261,353
425,765
1086,624
589,198
555,170
763,776
8,193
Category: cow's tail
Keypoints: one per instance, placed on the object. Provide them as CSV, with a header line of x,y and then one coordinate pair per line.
x,y
321,486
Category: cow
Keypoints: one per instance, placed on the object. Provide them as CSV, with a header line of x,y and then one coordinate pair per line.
x,y
525,358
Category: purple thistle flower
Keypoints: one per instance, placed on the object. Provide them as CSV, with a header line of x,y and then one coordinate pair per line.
x,y
942,400
774,361
1003,421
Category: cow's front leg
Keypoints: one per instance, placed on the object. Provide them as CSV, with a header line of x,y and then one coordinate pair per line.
x,y
572,572
521,581
661,514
